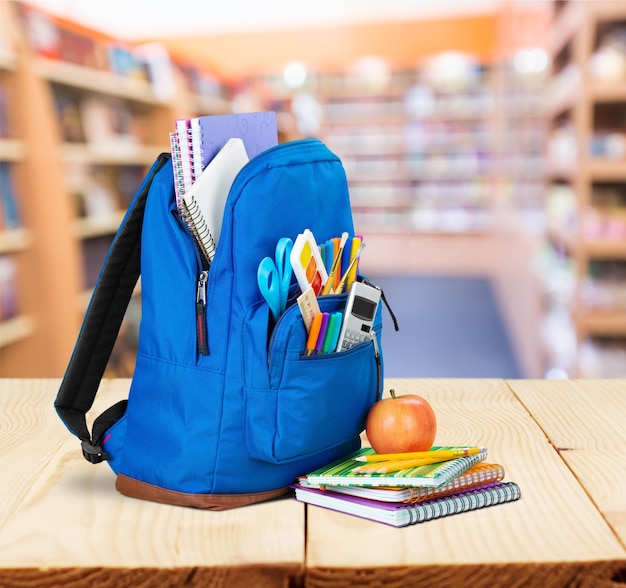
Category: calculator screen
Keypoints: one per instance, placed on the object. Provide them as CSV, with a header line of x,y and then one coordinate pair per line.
x,y
363,308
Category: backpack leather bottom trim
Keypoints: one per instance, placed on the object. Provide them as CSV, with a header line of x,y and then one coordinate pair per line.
x,y
137,489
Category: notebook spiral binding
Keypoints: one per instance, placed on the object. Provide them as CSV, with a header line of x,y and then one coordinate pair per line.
x,y
195,221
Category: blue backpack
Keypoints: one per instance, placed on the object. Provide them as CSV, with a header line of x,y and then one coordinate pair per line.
x,y
231,415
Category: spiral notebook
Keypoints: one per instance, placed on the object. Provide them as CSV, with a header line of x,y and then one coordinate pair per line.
x,y
478,475
342,472
204,202
402,515
195,144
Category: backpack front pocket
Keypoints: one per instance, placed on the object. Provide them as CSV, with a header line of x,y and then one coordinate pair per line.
x,y
297,405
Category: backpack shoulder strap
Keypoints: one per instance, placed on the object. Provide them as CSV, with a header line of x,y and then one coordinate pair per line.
x,y
101,326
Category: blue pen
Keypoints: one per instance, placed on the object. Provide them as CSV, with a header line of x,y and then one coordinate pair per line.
x,y
323,328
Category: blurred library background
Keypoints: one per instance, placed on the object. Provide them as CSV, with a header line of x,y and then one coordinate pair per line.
x,y
484,144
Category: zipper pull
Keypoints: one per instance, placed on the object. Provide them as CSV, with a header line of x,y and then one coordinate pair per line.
x,y
378,365
201,335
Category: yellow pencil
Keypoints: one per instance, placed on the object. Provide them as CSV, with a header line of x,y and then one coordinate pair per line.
x,y
384,467
396,466
442,454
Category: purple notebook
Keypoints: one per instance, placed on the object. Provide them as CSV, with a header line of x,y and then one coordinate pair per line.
x,y
401,514
210,133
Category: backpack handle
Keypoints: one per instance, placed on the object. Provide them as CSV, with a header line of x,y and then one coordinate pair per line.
x,y
101,326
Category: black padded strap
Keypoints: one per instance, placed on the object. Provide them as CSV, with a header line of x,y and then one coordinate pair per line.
x,y
102,323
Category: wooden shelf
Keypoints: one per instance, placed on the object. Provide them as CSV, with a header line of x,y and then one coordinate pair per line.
x,y
601,323
605,170
605,10
16,329
14,240
562,102
8,59
605,91
92,80
85,228
11,150
604,249
559,171
209,105
117,153
567,23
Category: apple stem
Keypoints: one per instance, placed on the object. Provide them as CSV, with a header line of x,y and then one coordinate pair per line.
x,y
393,393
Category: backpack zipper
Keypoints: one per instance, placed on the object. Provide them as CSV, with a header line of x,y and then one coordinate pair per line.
x,y
201,334
378,366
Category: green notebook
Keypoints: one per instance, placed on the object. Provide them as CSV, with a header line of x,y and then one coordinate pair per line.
x,y
341,472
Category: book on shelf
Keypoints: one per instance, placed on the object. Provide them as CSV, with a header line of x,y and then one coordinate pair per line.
x,y
5,127
342,472
61,39
478,475
94,252
404,514
10,217
93,190
67,104
108,121
8,287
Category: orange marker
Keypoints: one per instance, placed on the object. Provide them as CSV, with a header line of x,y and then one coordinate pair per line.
x,y
313,333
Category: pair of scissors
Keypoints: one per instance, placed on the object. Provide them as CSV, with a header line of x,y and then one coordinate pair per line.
x,y
274,277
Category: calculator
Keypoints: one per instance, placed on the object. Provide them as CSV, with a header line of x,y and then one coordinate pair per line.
x,y
359,315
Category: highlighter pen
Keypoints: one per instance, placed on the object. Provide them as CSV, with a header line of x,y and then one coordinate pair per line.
x,y
331,333
335,336
313,333
323,327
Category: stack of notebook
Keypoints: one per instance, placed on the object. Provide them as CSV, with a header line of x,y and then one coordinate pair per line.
x,y
207,154
360,486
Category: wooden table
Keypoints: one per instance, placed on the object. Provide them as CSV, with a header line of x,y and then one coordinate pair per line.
x,y
563,442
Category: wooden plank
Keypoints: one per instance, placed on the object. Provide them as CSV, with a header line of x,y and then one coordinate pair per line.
x,y
536,540
585,419
59,512
577,414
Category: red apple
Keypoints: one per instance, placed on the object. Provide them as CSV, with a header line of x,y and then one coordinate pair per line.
x,y
401,424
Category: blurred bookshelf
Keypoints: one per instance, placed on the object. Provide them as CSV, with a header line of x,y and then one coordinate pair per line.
x,y
509,167
585,322
82,116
